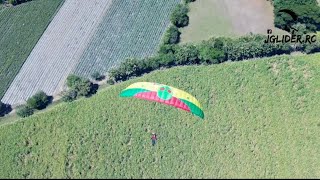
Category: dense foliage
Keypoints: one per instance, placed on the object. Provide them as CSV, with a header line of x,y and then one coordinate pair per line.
x,y
308,13
213,51
179,16
25,111
39,101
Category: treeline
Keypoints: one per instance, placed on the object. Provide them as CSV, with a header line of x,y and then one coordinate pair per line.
x,y
14,2
308,12
213,51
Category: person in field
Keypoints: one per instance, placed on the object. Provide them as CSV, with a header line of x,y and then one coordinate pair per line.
x,y
154,138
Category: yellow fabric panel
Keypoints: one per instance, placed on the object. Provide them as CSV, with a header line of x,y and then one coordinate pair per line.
x,y
175,92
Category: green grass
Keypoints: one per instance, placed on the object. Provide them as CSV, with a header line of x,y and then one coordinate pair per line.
x,y
261,120
207,19
21,27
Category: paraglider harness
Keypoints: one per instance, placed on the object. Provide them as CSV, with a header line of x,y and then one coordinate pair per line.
x,y
154,139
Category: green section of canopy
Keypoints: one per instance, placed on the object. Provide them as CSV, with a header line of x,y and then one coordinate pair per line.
x,y
132,92
194,109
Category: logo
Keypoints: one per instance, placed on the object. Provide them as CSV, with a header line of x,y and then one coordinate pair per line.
x,y
295,37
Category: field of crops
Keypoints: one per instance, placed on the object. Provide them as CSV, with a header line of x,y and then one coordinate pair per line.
x,y
58,50
130,29
261,121
20,28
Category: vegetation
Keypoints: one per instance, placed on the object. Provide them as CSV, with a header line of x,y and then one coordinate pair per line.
x,y
172,36
70,95
25,111
97,76
78,87
131,29
20,28
308,13
261,118
16,2
39,101
179,16
213,51
4,109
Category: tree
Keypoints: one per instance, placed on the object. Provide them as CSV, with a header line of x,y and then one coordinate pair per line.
x,y
4,109
172,35
179,16
97,76
73,80
186,54
39,101
210,55
70,95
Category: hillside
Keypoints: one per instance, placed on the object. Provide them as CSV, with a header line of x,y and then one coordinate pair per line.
x,y
21,27
261,120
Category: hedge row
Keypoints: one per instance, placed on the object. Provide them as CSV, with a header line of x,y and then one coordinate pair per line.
x,y
213,51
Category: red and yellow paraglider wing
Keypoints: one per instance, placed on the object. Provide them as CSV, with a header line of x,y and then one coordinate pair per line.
x,y
164,94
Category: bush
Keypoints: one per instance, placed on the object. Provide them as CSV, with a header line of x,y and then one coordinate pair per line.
x,y
308,13
38,101
110,81
179,16
73,80
210,55
172,36
25,111
97,76
70,95
84,88
186,54
188,1
4,109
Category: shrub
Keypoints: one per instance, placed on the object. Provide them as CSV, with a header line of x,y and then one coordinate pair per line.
x,y
73,80
39,101
70,95
25,111
186,54
4,109
97,76
172,36
83,88
189,1
179,16
210,55
110,81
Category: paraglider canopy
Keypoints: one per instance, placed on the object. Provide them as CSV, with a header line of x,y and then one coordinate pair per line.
x,y
164,94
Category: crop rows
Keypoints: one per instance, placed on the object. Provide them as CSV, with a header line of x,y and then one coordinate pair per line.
x,y
130,29
58,50
21,27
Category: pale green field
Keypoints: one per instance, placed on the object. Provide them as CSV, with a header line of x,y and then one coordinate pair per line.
x,y
261,121
208,18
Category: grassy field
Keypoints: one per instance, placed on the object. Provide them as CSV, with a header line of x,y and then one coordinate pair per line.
x,y
207,19
261,120
210,18
20,28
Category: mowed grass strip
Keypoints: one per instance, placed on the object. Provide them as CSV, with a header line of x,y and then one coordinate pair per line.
x,y
21,27
261,121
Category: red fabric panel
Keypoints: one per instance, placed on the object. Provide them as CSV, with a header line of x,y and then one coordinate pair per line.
x,y
152,96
